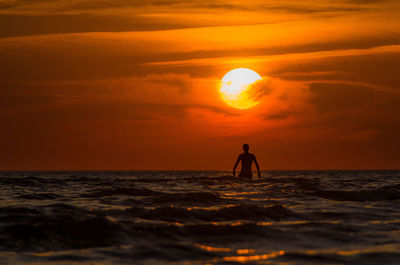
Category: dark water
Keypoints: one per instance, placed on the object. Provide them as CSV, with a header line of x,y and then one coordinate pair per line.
x,y
305,217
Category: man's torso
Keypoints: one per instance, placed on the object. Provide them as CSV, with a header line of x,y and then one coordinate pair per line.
x,y
246,160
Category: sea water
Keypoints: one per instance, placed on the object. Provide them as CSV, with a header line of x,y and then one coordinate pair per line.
x,y
149,217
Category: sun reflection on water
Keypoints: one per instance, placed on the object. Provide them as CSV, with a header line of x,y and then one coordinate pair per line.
x,y
254,257
213,249
242,254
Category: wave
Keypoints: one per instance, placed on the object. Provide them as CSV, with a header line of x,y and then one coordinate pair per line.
x,y
181,214
161,251
40,196
189,197
55,234
61,226
221,233
158,197
380,194
352,256
120,191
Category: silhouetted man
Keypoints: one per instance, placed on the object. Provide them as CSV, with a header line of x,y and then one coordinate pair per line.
x,y
247,159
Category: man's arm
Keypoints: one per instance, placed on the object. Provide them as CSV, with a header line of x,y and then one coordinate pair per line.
x,y
234,167
258,167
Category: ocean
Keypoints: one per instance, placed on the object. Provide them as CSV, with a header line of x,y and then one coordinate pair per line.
x,y
200,217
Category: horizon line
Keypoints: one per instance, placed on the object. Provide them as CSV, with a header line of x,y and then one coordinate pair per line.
x,y
185,170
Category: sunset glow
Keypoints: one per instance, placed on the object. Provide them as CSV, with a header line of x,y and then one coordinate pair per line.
x,y
85,84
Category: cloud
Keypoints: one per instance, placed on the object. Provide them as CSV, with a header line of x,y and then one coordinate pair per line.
x,y
189,50
374,69
340,97
260,89
153,97
345,111
20,18
288,6
16,25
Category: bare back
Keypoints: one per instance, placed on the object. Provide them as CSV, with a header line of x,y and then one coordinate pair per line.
x,y
246,160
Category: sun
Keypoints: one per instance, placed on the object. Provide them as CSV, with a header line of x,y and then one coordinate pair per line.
x,y
236,86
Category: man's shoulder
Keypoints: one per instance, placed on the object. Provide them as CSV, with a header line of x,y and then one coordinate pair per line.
x,y
247,154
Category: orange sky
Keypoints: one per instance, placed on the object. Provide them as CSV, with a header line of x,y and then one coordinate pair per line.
x,y
123,84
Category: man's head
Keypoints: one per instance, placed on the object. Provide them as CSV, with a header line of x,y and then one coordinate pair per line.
x,y
246,147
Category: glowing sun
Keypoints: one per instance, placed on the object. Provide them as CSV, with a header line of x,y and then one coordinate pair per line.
x,y
236,88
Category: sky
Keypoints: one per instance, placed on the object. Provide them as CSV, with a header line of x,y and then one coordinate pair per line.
x,y
134,85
